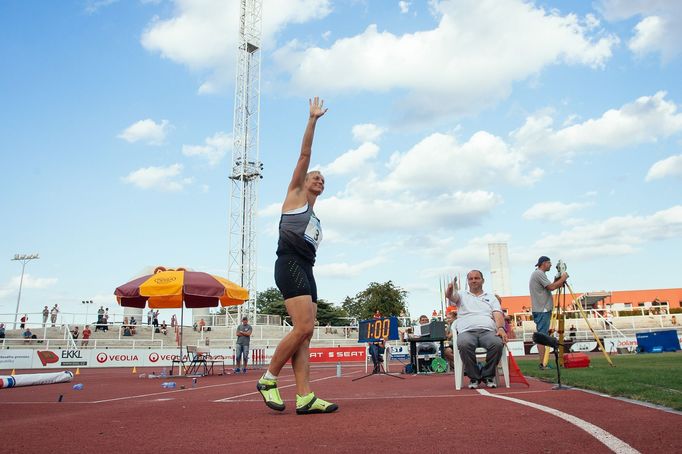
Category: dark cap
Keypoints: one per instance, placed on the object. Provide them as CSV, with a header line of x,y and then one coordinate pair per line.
x,y
245,318
541,260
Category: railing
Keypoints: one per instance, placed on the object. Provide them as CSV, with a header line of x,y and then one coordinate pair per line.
x,y
65,344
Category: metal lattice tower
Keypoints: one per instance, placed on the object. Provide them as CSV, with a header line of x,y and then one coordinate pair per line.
x,y
246,168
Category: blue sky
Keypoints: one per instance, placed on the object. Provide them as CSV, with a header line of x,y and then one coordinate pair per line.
x,y
552,126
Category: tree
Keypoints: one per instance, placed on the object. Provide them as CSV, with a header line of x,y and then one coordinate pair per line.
x,y
328,313
271,302
387,298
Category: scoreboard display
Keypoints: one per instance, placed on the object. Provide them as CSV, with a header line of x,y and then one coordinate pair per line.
x,y
378,329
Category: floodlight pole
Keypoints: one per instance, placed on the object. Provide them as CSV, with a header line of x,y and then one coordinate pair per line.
x,y
87,304
24,258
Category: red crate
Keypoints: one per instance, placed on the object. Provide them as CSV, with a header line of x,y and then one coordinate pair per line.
x,y
572,360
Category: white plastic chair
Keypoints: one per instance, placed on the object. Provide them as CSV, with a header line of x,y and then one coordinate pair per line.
x,y
480,355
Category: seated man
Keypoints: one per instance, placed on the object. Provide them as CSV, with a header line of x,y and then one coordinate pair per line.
x,y
422,348
28,335
480,323
450,318
376,349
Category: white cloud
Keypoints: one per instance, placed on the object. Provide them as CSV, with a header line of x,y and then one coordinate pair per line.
x,y
202,35
367,132
618,235
470,59
160,178
552,211
147,131
659,30
346,270
404,6
668,167
352,160
213,150
369,213
92,6
30,282
645,120
440,161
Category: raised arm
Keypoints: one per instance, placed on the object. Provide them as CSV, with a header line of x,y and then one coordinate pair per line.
x,y
298,178
452,293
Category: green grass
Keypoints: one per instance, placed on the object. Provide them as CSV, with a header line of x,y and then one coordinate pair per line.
x,y
647,377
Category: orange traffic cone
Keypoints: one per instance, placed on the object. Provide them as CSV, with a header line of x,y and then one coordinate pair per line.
x,y
134,370
78,371
13,372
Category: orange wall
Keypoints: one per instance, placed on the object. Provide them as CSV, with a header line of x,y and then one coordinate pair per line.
x,y
672,295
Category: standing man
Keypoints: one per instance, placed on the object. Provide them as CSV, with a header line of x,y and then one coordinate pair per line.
x,y
480,323
86,336
53,314
541,299
46,313
23,321
242,348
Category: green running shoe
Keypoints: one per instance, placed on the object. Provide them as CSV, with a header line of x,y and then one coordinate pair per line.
x,y
268,389
311,404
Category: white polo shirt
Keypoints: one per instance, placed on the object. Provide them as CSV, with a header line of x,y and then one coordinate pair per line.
x,y
476,312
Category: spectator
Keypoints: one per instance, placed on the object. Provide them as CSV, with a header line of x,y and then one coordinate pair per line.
x,y
449,352
480,323
328,328
86,336
155,318
28,335
376,349
202,325
164,328
46,313
509,328
127,331
23,320
207,342
133,325
195,326
673,320
377,314
2,330
242,348
571,333
75,333
150,316
100,316
53,314
174,321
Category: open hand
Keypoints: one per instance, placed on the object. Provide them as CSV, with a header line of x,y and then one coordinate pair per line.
x,y
316,107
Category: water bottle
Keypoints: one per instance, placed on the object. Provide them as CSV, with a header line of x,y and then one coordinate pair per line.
x,y
78,386
338,369
163,373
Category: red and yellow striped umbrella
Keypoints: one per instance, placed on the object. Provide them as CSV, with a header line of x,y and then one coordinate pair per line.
x,y
168,289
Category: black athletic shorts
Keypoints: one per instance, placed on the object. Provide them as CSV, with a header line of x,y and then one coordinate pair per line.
x,y
294,277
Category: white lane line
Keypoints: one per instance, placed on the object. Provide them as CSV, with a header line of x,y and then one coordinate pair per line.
x,y
611,441
160,393
227,399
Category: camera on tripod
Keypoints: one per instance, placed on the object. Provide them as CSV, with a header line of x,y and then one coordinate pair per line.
x,y
560,269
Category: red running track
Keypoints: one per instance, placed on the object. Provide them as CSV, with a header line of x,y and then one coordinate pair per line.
x,y
118,412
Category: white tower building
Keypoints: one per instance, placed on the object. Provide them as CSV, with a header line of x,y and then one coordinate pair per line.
x,y
499,268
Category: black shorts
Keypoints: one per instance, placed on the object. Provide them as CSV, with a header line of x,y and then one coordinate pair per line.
x,y
294,277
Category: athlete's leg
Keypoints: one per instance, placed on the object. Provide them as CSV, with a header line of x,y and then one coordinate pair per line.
x,y
301,310
300,360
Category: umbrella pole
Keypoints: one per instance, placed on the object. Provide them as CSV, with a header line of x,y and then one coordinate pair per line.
x,y
182,319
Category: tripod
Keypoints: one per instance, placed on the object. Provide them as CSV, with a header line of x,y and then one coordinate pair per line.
x,y
378,368
558,321
549,341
